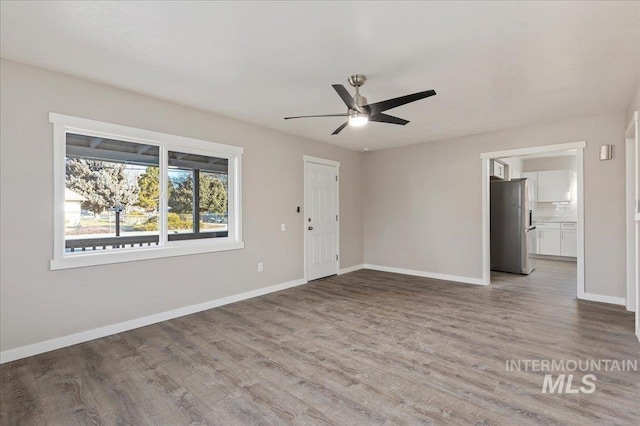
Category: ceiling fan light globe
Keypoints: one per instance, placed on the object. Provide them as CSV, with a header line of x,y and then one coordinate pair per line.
x,y
358,119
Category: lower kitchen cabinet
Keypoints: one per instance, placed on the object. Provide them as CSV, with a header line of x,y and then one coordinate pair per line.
x,y
557,239
549,241
569,240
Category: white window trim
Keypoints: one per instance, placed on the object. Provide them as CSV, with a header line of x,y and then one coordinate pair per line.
x,y
63,124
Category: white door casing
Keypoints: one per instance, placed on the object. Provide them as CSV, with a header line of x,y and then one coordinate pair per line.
x,y
321,218
631,223
633,219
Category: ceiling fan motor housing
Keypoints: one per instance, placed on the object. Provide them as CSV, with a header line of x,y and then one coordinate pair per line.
x,y
356,81
360,100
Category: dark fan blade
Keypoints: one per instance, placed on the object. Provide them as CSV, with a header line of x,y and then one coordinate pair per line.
x,y
384,118
339,129
322,115
346,97
378,107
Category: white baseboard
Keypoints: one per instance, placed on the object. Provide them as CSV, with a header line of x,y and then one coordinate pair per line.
x,y
465,280
604,299
85,336
351,269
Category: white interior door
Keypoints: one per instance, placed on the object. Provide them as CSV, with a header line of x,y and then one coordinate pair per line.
x,y
321,221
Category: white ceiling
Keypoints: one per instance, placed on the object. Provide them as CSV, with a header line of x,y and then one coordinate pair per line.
x,y
494,65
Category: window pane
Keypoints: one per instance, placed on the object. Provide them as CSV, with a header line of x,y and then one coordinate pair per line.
x,y
180,215
213,202
111,194
202,181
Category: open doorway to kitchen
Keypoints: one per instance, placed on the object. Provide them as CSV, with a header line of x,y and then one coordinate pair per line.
x,y
533,221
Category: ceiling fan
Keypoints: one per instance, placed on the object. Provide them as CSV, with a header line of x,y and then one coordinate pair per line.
x,y
360,112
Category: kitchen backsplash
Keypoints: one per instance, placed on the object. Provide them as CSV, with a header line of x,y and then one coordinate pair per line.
x,y
553,211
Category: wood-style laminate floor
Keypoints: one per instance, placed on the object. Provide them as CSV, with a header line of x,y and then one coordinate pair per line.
x,y
366,348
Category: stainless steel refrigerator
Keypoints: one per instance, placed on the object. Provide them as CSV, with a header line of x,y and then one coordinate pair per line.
x,y
512,231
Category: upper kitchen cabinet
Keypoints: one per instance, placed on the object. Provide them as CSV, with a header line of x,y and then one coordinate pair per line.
x,y
498,170
554,186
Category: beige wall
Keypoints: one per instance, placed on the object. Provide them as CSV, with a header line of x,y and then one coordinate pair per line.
x,y
37,304
422,204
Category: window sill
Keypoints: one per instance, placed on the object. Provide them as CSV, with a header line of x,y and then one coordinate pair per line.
x,y
81,260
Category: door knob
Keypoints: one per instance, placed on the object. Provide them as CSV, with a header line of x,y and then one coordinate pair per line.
x,y
311,228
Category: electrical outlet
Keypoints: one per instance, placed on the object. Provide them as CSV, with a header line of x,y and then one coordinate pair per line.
x,y
260,267
283,227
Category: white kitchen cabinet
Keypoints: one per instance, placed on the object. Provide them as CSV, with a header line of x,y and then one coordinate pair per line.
x,y
569,240
557,239
549,241
498,170
554,186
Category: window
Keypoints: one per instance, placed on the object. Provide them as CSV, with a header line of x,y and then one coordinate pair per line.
x,y
126,194
111,194
197,206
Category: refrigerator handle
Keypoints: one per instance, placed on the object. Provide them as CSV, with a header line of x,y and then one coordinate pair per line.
x,y
530,218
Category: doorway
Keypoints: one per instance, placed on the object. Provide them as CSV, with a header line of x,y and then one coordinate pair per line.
x,y
321,217
550,150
